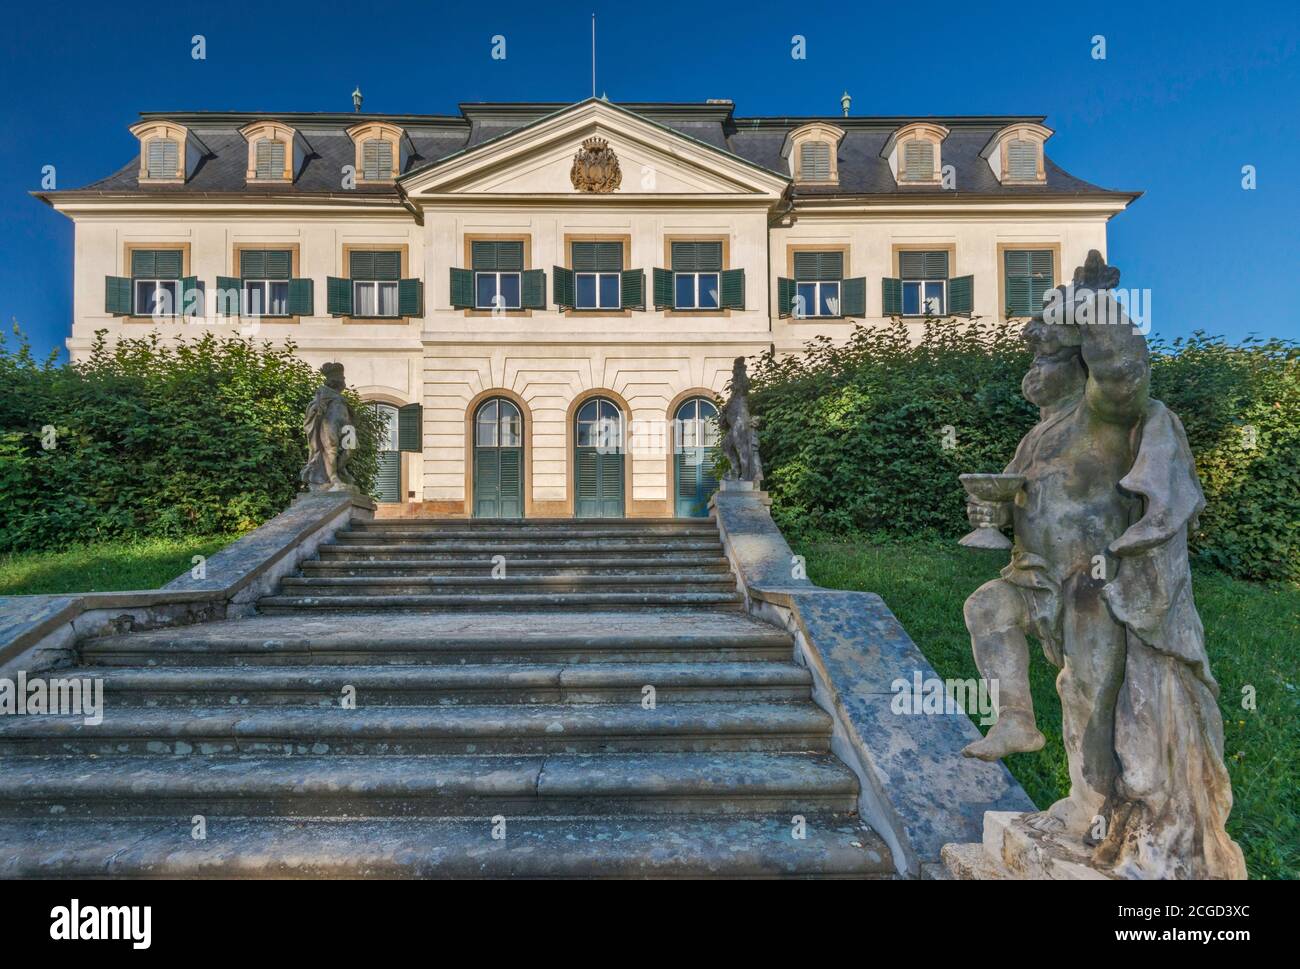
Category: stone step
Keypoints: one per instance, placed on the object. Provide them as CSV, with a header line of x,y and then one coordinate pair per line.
x,y
835,846
340,565
508,601
514,729
485,585
365,639
455,553
644,526
466,786
494,683
363,542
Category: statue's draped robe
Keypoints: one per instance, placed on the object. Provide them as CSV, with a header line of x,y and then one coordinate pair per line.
x,y
1166,816
327,415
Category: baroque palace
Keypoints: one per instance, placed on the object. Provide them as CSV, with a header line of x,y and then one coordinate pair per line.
x,y
544,299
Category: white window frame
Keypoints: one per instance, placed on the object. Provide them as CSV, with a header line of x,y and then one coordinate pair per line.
x,y
817,285
497,274
921,297
716,274
397,310
618,290
157,283
245,303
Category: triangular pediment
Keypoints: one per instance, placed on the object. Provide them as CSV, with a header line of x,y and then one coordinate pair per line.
x,y
537,161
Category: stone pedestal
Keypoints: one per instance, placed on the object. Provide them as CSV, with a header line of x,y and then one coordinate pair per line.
x,y
1011,850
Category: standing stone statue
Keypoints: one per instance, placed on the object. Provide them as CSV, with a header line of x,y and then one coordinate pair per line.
x,y
740,430
330,427
1099,575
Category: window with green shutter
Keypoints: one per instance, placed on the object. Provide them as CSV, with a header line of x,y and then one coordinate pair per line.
x,y
377,289
498,267
269,156
155,283
697,276
817,276
597,275
924,276
1027,276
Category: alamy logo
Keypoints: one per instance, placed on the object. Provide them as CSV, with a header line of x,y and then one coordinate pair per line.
x,y
75,696
133,923
933,696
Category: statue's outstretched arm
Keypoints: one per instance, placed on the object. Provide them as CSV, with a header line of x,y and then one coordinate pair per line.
x,y
1119,365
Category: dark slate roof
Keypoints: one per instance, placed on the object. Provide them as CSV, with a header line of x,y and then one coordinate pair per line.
x,y
434,137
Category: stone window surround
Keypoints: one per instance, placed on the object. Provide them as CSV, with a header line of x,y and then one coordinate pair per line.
x,y
471,238
626,240
999,147
293,248
272,131
129,248
794,247
816,131
153,130
726,264
346,273
1005,247
383,131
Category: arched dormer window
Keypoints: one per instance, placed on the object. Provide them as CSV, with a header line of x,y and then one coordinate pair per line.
x,y
1015,154
164,151
379,154
811,152
915,153
273,150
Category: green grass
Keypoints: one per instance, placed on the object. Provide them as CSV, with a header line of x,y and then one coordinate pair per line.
x,y
107,567
1252,632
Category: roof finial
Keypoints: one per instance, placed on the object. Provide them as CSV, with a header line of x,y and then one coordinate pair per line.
x,y
356,98
845,101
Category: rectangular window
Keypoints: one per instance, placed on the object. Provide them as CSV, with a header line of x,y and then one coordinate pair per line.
x,y
697,269
264,275
374,299
597,271
924,277
156,275
374,281
376,160
1028,277
498,271
815,161
918,161
1022,160
163,158
270,159
817,283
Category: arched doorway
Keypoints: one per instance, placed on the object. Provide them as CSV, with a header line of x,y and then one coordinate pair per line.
x,y
388,479
598,460
695,434
498,460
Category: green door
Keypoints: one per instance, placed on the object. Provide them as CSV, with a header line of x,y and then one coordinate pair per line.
x,y
598,460
388,481
498,460
695,430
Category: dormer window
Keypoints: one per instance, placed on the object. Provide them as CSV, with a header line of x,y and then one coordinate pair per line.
x,y
381,151
1015,154
274,151
168,152
811,153
162,158
915,153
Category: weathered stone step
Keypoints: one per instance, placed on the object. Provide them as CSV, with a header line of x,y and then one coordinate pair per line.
x,y
659,526
487,547
467,786
340,565
493,683
400,585
362,639
515,729
512,601
540,554
621,847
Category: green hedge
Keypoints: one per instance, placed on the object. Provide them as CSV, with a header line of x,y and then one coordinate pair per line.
x,y
853,435
194,438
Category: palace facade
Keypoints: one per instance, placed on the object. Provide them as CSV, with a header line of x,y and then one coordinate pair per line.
x,y
545,299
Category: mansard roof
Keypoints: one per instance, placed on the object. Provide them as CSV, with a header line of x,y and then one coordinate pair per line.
x,y
758,141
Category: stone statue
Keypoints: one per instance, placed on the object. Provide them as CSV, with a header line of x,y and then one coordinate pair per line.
x,y
740,430
1099,575
330,427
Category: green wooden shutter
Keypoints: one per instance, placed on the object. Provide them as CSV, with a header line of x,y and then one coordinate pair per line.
x,y
388,265
961,295
410,428
279,263
229,294
252,264
191,297
384,264
733,289
487,483
117,295
663,289
562,287
587,483
301,302
338,296
1028,277
462,289
632,289
785,290
410,297
891,297
853,297
511,484
532,289
1041,277
697,257
611,484
388,480
497,256
813,266
156,263
593,257
143,265
932,264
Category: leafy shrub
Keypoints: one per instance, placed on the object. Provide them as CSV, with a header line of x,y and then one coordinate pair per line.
x,y
193,438
853,435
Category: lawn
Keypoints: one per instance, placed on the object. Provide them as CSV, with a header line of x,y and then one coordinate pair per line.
x,y
110,566
1252,632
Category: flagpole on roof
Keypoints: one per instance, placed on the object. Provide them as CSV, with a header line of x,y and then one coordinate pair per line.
x,y
593,55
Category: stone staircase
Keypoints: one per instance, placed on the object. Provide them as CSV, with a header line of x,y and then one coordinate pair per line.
x,y
501,727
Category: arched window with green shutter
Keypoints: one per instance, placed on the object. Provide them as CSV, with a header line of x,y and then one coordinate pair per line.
x,y
388,481
695,435
498,460
598,460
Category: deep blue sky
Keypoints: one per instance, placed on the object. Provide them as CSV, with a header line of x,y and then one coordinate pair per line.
x,y
1188,94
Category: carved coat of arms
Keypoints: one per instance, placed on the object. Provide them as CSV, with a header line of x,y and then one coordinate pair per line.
x,y
595,167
